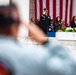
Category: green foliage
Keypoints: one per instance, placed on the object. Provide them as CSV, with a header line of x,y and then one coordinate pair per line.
x,y
69,30
60,31
74,29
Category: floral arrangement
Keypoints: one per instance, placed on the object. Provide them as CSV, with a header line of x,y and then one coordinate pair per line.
x,y
68,29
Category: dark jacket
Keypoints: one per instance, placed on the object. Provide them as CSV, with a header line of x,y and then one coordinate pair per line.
x,y
57,26
44,23
73,24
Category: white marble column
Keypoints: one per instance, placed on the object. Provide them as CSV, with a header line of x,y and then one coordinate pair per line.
x,y
4,2
23,7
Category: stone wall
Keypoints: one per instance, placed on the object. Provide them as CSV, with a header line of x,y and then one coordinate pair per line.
x,y
32,8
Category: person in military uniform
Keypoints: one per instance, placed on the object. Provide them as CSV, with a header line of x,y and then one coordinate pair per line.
x,y
44,22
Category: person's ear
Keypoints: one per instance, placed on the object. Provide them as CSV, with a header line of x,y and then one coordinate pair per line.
x,y
14,30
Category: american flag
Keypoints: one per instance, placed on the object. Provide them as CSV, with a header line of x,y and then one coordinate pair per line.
x,y
62,8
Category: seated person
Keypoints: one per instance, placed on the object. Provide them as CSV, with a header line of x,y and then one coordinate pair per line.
x,y
51,58
57,24
32,20
73,23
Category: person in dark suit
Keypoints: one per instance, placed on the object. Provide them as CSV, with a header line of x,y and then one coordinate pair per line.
x,y
44,22
51,27
73,23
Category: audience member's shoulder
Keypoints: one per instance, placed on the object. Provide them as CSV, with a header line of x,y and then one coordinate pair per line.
x,y
34,50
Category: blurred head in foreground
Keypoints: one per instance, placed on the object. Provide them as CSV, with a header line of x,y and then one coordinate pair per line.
x,y
9,20
49,59
9,23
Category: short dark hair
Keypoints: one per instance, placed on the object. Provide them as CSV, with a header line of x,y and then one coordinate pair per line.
x,y
45,9
5,15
